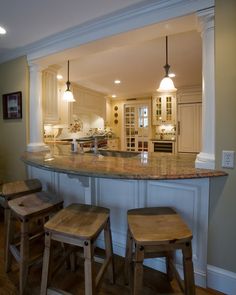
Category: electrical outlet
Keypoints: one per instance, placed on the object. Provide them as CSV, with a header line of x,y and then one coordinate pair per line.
x,y
228,159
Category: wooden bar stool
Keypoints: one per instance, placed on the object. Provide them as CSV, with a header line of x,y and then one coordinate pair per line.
x,y
13,190
157,232
27,210
79,225
16,189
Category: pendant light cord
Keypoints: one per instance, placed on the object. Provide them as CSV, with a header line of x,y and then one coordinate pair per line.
x,y
167,66
166,50
68,80
68,66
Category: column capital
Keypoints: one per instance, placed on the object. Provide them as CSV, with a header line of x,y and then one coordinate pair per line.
x,y
33,67
206,19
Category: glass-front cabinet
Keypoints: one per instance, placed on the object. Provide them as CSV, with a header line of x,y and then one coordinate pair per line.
x,y
163,108
137,123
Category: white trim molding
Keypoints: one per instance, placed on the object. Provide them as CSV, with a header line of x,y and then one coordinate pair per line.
x,y
36,111
206,158
130,18
221,280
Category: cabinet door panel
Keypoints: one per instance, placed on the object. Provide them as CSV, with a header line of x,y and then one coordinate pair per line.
x,y
189,133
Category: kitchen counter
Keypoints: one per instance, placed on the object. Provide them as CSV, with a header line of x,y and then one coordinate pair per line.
x,y
121,183
146,166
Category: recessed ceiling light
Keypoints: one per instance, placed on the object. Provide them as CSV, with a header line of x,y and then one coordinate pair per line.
x,y
113,95
2,31
171,75
117,81
59,77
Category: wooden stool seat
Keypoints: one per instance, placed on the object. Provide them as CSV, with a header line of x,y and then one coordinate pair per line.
x,y
16,189
27,210
12,190
79,225
156,232
157,225
79,221
33,205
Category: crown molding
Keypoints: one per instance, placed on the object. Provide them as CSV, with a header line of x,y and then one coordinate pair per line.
x,y
136,16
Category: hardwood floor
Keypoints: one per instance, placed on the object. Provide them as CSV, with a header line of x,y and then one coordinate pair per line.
x,y
154,282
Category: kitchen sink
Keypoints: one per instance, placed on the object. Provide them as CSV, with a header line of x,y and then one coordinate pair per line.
x,y
109,153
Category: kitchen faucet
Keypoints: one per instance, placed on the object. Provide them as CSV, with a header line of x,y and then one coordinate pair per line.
x,y
95,148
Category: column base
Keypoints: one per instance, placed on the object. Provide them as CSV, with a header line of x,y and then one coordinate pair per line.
x,y
205,161
37,147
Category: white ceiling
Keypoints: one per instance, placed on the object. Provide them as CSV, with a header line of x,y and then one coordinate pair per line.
x,y
136,57
28,21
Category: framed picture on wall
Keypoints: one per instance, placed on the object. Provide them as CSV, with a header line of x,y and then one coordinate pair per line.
x,y
12,105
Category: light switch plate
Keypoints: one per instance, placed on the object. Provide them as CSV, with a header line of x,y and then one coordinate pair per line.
x,y
228,159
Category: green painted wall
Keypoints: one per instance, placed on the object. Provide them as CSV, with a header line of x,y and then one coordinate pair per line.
x,y
13,133
222,233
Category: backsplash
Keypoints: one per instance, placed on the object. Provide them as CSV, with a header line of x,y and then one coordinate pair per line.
x,y
164,132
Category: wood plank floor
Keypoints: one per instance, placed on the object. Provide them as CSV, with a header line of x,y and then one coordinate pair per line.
x,y
154,281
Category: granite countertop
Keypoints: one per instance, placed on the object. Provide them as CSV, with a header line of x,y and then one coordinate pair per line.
x,y
146,166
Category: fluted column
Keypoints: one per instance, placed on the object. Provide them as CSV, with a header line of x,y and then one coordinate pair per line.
x,y
35,110
206,158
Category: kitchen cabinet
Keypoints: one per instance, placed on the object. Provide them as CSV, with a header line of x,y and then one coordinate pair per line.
x,y
137,127
163,109
50,96
189,127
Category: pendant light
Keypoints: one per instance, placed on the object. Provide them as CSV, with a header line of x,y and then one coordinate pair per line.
x,y
68,95
166,84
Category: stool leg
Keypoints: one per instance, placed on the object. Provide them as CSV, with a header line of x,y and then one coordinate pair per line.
x,y
9,236
24,255
128,257
46,273
109,251
169,261
138,270
89,274
188,269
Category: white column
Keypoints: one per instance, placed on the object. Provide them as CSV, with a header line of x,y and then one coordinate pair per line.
x,y
206,158
35,110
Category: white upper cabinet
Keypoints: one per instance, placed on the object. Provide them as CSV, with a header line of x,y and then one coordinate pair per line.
x,y
50,96
163,108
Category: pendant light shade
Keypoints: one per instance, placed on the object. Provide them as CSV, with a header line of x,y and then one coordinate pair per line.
x,y
68,95
166,85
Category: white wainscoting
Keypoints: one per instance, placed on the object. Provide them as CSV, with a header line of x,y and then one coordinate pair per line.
x,y
189,197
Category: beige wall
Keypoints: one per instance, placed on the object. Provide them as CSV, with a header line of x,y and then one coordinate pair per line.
x,y
13,133
222,233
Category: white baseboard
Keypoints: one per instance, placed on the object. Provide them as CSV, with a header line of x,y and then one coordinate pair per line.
x,y
221,280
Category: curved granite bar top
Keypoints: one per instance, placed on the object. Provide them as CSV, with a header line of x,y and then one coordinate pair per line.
x,y
145,166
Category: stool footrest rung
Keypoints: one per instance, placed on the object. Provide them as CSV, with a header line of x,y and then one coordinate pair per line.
x,y
102,271
177,276
54,291
16,254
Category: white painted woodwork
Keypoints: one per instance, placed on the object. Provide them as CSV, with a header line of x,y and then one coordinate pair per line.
x,y
50,96
189,197
206,158
36,110
189,127
161,113
88,102
189,94
137,126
